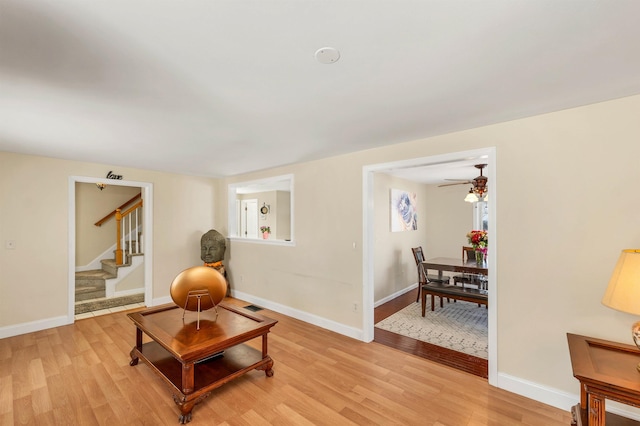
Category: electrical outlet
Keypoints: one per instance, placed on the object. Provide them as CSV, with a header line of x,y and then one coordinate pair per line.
x,y
355,306
10,244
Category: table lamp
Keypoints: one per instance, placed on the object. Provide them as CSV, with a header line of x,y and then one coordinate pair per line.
x,y
623,291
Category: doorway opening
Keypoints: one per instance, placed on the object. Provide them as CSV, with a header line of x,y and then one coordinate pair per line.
x,y
145,240
489,156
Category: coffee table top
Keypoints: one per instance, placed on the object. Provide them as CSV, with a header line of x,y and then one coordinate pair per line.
x,y
164,324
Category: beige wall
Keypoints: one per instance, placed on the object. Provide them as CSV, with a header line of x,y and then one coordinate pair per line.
x,y
269,198
283,215
448,219
91,206
394,267
565,186
133,281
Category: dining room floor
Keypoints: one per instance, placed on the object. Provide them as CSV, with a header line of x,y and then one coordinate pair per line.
x,y
457,360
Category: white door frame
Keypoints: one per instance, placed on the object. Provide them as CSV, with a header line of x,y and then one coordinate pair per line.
x,y
368,252
147,236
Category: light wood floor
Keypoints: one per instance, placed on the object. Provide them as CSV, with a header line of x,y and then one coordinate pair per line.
x,y
80,375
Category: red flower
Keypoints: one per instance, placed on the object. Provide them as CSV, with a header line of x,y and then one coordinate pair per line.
x,y
478,239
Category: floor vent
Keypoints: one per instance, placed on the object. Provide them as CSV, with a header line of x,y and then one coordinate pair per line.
x,y
253,308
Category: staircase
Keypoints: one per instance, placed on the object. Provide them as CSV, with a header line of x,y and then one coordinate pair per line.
x,y
95,289
91,288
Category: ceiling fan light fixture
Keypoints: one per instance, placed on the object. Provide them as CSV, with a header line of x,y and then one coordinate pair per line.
x,y
480,192
480,182
471,197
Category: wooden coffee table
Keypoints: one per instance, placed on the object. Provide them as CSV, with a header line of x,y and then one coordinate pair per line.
x,y
193,362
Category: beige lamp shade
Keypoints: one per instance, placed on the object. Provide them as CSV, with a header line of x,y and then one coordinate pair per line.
x,y
623,292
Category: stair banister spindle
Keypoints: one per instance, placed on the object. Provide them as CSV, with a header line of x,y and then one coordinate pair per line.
x,y
140,248
118,252
124,237
130,241
137,233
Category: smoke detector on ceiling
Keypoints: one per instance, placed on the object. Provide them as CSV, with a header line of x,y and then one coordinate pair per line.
x,y
327,55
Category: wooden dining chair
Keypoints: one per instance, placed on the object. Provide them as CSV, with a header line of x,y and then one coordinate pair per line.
x,y
423,277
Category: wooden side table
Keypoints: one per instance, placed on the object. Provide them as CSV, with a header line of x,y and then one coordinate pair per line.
x,y
606,370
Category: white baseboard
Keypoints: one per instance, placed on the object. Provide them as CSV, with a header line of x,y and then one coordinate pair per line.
x,y
301,315
396,294
535,391
555,397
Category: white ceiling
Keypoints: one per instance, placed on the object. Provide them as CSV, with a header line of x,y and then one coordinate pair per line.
x,y
222,87
442,173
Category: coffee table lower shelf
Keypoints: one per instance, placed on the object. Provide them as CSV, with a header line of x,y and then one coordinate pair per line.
x,y
209,374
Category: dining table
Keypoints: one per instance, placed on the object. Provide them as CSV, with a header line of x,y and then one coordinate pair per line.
x,y
454,264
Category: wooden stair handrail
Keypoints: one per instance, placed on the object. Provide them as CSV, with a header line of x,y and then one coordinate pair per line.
x,y
112,214
132,208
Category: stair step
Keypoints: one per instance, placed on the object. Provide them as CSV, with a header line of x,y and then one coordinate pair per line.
x,y
85,286
94,274
91,284
109,265
89,295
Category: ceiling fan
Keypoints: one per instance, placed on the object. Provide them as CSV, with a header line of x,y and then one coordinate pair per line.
x,y
479,183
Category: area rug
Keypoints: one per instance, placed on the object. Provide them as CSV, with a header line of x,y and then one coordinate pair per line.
x,y
460,326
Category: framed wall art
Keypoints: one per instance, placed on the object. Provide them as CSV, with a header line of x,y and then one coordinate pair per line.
x,y
404,211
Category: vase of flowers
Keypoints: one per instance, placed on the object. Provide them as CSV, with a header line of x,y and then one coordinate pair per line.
x,y
266,230
479,240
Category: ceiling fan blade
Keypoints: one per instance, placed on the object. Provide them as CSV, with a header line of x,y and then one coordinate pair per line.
x,y
479,183
457,183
